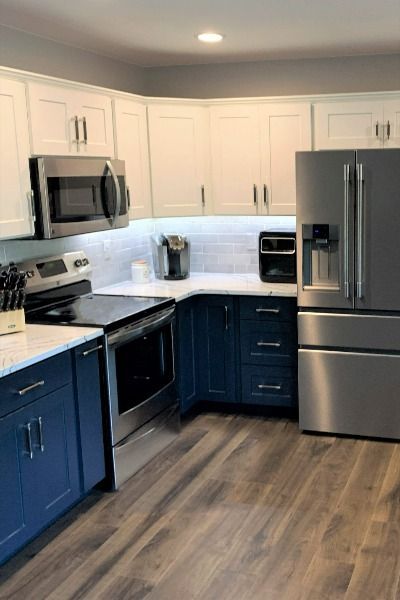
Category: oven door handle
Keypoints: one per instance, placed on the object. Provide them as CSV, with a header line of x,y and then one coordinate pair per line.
x,y
157,425
141,328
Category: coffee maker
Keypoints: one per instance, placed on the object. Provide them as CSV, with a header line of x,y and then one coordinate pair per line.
x,y
170,256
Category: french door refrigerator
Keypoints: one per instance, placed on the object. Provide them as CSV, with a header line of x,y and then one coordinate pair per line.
x,y
348,264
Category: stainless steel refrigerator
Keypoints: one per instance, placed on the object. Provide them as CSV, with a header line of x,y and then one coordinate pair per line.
x,y
348,265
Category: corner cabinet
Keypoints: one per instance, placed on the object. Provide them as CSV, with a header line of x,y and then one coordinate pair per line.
x,y
357,124
131,145
69,122
16,219
178,138
253,156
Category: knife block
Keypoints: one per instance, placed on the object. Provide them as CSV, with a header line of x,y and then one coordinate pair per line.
x,y
12,321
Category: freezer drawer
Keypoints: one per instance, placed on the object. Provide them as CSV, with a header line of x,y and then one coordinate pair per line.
x,y
349,393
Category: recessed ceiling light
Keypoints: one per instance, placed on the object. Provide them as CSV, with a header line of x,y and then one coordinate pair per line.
x,y
209,37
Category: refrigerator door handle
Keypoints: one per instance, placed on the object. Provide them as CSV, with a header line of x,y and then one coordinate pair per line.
x,y
360,230
346,269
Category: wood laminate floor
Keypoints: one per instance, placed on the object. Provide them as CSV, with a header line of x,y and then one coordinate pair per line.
x,y
238,508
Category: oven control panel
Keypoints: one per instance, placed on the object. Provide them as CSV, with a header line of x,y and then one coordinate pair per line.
x,y
53,271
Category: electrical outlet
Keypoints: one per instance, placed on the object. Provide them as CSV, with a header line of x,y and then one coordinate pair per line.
x,y
107,249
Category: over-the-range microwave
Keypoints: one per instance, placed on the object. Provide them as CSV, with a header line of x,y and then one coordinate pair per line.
x,y
78,195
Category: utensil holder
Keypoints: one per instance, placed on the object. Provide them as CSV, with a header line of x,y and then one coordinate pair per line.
x,y
12,321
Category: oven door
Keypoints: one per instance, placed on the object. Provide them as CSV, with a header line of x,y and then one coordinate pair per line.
x,y
78,195
141,374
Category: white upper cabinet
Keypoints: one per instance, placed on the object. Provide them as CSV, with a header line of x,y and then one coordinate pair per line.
x,y
66,121
357,124
132,147
178,137
285,129
253,156
15,185
235,159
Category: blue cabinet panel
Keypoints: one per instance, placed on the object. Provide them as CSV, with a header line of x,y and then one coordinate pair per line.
x,y
216,357
268,343
90,417
186,364
269,386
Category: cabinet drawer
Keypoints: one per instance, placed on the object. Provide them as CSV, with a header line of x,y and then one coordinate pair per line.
x,y
268,343
31,383
271,308
270,386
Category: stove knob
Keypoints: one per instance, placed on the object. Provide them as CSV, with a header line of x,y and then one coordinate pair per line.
x,y
78,262
30,274
85,262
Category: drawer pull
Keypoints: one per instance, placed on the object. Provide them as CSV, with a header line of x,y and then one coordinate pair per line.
x,y
31,387
274,344
263,386
276,311
87,352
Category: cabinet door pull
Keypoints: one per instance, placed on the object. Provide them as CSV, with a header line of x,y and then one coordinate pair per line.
x,y
255,195
275,311
203,197
263,386
29,451
128,195
265,195
388,130
87,352
377,129
226,318
274,344
85,131
29,388
40,433
76,129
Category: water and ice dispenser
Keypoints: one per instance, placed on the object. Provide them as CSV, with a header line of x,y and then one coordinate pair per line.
x,y
321,257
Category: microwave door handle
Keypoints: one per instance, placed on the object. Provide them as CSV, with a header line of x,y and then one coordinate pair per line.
x,y
117,191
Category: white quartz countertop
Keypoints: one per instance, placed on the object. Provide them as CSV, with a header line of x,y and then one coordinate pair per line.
x,y
202,283
37,342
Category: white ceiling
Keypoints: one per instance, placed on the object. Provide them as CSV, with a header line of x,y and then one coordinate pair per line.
x,y
162,32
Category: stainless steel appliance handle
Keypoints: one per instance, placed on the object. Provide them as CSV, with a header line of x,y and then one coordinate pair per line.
x,y
117,191
134,437
31,198
360,220
29,388
203,196
88,352
346,269
226,318
263,386
265,195
143,327
85,131
291,239
76,130
28,429
39,421
274,344
276,311
255,195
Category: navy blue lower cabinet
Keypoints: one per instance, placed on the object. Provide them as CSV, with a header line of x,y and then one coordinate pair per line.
x,y
186,359
90,415
269,386
216,326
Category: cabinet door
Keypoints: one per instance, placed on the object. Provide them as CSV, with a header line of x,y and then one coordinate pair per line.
x,y
132,147
285,129
50,479
178,151
235,156
391,126
345,125
12,517
90,416
216,357
186,353
95,124
15,185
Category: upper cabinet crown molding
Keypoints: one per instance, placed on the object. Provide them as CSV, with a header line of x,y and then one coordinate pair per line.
x,y
66,121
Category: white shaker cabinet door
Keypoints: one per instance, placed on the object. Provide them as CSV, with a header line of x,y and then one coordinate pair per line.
x,y
69,122
391,123
132,147
235,159
285,129
178,157
15,200
347,125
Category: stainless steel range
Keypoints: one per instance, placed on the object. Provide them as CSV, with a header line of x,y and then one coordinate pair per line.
x,y
137,352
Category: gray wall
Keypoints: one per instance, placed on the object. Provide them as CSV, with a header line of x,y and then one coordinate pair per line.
x,y
275,78
21,50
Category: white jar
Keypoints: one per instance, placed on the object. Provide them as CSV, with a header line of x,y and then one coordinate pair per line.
x,y
140,271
